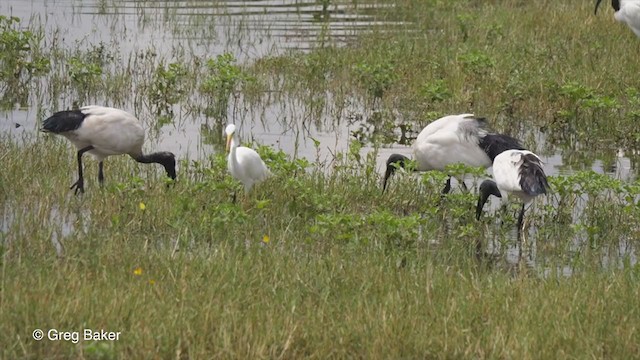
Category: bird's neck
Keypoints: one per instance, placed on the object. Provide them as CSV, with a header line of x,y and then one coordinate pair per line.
x,y
163,158
232,150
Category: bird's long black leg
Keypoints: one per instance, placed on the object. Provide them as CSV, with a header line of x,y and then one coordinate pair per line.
x,y
100,173
447,186
520,218
464,186
79,185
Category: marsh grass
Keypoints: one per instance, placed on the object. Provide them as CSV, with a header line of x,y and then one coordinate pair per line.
x,y
345,271
317,262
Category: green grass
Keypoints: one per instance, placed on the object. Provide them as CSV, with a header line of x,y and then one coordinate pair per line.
x,y
273,302
345,272
317,262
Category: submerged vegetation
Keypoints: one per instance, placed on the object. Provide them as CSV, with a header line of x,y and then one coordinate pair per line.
x,y
317,262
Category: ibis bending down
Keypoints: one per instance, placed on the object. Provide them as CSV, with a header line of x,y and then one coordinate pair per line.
x,y
244,164
453,139
626,11
104,131
518,173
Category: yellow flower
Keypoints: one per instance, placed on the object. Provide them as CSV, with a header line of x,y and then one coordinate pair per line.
x,y
142,206
265,239
152,282
137,271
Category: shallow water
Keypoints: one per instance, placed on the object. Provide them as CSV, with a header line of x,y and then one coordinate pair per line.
x,y
249,30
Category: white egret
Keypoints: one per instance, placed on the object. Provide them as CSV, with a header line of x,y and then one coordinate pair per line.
x,y
244,163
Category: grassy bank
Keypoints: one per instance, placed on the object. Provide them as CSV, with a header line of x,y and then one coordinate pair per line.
x,y
314,264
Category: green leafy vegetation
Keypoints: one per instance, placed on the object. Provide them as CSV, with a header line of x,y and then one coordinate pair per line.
x,y
20,61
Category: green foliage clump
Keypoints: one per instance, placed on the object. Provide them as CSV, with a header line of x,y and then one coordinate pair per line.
x,y
169,86
20,61
222,79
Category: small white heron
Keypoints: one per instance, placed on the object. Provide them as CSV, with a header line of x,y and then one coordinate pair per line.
x,y
518,173
244,163
453,139
103,131
626,11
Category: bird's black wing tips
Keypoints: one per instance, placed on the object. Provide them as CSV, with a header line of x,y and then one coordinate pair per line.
x,y
63,121
533,180
495,144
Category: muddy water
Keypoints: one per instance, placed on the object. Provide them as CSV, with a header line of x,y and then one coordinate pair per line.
x,y
249,30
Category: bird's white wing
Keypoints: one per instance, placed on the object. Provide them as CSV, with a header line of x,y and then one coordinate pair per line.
x,y
251,163
449,122
449,147
506,172
111,131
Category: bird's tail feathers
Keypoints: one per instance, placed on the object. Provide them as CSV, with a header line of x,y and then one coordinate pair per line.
x,y
533,180
63,121
495,144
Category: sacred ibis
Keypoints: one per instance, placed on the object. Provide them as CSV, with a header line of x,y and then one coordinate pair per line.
x,y
453,139
626,11
103,131
244,163
518,173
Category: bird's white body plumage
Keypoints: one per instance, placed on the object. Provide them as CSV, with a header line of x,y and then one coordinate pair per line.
x,y
629,14
506,172
244,163
110,131
449,140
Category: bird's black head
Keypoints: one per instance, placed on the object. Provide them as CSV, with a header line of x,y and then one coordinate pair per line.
x,y
168,160
615,4
487,188
164,158
393,162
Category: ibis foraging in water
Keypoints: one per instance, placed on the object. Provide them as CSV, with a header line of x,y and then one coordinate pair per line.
x,y
626,11
103,131
518,173
453,139
244,164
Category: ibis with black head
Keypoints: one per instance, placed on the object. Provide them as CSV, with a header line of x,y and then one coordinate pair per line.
x,y
104,131
626,11
453,139
517,173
